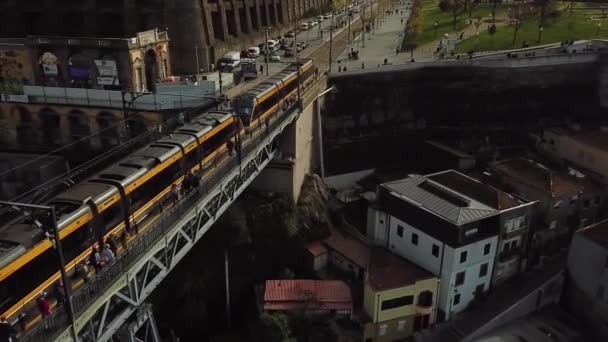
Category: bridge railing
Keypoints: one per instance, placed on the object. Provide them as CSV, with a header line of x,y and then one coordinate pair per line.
x,y
93,290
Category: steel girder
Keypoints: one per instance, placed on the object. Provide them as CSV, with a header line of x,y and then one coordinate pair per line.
x,y
105,316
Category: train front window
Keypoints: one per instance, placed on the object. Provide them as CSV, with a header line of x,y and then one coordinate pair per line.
x,y
244,106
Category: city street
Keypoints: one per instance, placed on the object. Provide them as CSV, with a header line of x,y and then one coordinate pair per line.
x,y
315,42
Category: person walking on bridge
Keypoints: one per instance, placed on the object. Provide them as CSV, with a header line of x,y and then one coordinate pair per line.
x,y
6,330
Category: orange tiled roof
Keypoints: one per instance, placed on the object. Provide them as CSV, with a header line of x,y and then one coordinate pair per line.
x,y
291,294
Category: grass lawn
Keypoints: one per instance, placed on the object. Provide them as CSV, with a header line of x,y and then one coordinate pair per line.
x,y
563,27
432,14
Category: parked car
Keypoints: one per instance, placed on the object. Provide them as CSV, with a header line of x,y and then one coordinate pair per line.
x,y
290,34
328,16
275,57
254,51
320,18
304,27
312,23
285,44
290,52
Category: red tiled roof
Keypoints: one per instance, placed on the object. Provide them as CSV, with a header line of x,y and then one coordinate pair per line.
x,y
316,248
597,233
350,247
290,294
389,271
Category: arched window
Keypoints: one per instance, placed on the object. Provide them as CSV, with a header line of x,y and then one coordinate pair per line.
x,y
51,121
108,129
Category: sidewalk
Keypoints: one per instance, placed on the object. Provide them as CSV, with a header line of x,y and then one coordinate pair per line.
x,y
379,44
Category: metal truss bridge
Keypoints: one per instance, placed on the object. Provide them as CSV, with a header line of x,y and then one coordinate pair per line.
x,y
112,305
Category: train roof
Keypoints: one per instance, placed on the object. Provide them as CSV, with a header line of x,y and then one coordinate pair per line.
x,y
9,251
124,173
159,152
23,234
195,128
98,192
177,138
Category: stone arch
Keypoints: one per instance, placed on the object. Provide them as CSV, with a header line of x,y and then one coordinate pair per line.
x,y
51,121
151,66
78,124
26,132
109,130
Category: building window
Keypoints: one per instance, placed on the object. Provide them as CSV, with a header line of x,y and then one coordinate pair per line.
x,y
456,299
553,224
382,331
586,204
400,231
483,270
435,250
486,248
600,292
414,239
397,302
463,256
557,204
479,290
401,325
459,278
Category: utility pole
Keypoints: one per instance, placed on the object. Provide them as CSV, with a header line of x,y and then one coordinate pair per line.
x,y
198,69
331,40
53,235
220,73
227,287
349,16
363,27
267,52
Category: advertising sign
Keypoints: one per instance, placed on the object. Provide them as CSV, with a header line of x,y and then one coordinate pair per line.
x,y
106,68
107,81
50,69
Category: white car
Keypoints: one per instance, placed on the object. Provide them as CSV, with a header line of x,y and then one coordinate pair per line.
x,y
320,18
275,57
312,23
328,16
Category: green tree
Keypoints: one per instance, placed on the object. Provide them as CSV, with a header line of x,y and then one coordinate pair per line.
x,y
275,327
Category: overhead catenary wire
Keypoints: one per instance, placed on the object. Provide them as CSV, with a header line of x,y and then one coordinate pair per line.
x,y
107,154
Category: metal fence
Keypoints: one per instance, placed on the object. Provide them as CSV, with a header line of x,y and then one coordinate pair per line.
x,y
91,291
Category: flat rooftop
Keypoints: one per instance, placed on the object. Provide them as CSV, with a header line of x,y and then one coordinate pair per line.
x,y
597,138
438,197
389,271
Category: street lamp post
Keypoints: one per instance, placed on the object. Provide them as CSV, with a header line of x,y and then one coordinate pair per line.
x,y
435,26
331,41
266,52
540,34
52,232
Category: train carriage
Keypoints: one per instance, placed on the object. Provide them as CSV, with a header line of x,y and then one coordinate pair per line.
x,y
123,195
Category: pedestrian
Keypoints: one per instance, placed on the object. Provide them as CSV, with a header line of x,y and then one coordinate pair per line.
x,y
261,68
186,183
196,180
344,68
401,21
112,244
362,65
59,292
385,61
124,239
44,307
397,51
230,146
174,194
6,330
95,259
181,119
106,254
22,321
82,271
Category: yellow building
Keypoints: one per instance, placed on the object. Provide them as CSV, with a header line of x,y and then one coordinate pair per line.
x,y
399,297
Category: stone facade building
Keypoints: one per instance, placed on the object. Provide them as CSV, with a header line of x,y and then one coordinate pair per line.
x,y
203,27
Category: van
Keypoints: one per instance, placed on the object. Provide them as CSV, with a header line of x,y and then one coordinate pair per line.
x,y
304,26
229,61
254,51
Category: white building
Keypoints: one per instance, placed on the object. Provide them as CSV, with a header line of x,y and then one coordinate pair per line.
x,y
452,235
587,296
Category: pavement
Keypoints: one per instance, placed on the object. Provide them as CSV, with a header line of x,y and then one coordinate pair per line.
x,y
379,44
